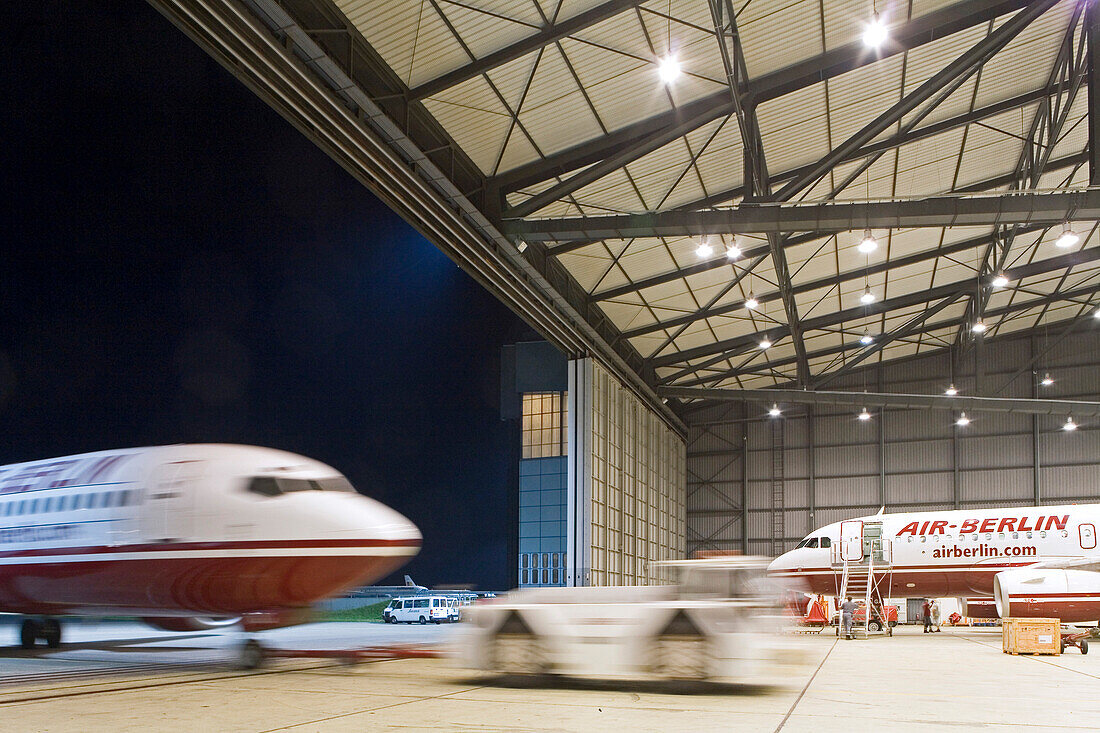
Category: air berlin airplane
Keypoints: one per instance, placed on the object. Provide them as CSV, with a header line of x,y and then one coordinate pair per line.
x,y
187,537
1034,561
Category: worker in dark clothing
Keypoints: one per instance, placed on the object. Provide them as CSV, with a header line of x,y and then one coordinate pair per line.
x,y
847,614
926,615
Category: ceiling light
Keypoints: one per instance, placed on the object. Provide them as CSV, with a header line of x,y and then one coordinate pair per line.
x,y
1067,238
866,339
704,249
765,343
951,391
1047,380
963,420
875,34
868,244
1096,313
999,281
1070,425
733,251
867,298
668,69
775,411
978,327
864,415
752,303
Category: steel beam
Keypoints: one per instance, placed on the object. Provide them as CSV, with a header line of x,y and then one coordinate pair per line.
x,y
1029,207
1092,32
749,340
904,37
1016,307
544,37
946,250
881,399
964,64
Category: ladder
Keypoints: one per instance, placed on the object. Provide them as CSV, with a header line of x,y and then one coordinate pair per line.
x,y
779,525
868,578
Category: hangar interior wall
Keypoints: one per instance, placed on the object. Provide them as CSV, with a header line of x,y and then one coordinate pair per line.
x,y
626,477
758,484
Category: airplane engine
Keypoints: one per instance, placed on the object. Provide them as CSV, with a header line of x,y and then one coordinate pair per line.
x,y
1070,595
193,623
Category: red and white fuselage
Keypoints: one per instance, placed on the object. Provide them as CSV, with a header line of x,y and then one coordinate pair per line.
x,y
1035,561
188,530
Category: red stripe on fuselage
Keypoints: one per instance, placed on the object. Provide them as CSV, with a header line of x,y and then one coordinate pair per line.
x,y
218,545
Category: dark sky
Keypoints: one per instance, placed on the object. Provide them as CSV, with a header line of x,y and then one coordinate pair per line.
x,y
181,265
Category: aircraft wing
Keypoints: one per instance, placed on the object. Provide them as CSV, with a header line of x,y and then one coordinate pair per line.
x,y
1068,563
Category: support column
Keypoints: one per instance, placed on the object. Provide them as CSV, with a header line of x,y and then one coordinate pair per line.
x,y
1092,37
578,533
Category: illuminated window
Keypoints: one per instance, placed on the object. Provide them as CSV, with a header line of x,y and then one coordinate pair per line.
x,y
544,424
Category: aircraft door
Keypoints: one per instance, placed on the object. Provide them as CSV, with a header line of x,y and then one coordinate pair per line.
x,y
851,540
1087,534
168,509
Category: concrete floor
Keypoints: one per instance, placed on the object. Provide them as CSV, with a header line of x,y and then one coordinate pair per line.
x,y
956,680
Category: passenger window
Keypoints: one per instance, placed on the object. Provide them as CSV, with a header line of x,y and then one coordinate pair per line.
x,y
826,542
34,507
422,603
47,505
264,486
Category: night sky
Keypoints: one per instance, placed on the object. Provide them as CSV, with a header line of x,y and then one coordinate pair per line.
x,y
181,265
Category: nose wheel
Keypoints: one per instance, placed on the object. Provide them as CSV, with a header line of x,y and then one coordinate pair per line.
x,y
48,630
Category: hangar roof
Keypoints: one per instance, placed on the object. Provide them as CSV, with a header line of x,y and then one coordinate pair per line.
x,y
961,141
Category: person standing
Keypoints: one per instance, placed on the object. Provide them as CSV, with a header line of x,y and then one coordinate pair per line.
x,y
847,613
935,616
926,615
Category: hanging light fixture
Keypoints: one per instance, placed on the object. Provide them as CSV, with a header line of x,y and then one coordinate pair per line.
x,y
875,34
751,302
1069,424
951,391
868,297
704,249
765,343
868,244
999,280
775,411
668,68
1047,380
733,252
864,415
979,326
1067,238
963,420
866,339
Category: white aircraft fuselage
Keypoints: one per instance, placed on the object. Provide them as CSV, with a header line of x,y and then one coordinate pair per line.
x,y
1035,561
188,530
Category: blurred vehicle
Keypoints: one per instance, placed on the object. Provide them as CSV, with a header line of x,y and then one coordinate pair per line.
x,y
713,623
421,609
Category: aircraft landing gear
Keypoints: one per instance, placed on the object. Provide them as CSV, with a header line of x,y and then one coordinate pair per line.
x,y
251,655
48,630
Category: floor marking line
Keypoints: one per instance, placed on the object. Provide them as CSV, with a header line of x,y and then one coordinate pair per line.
x,y
807,686
1036,658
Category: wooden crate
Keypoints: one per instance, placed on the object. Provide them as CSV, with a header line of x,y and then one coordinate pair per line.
x,y
1031,636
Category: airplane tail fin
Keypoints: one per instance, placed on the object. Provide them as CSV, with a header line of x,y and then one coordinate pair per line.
x,y
409,582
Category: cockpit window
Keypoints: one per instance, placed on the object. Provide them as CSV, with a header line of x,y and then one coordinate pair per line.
x,y
826,542
812,542
264,486
801,544
271,486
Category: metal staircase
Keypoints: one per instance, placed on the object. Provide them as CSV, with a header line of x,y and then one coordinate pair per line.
x,y
867,578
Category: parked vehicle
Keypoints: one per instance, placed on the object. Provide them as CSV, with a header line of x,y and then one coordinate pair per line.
x,y
420,609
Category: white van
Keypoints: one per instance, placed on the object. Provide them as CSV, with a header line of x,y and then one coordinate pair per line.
x,y
420,609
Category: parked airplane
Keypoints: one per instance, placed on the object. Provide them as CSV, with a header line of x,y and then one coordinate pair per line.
x,y
1034,561
187,537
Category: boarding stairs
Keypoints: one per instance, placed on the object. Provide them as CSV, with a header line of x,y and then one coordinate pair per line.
x,y
862,564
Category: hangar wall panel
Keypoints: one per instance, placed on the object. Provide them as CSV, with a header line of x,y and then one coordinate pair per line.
x,y
747,481
633,475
